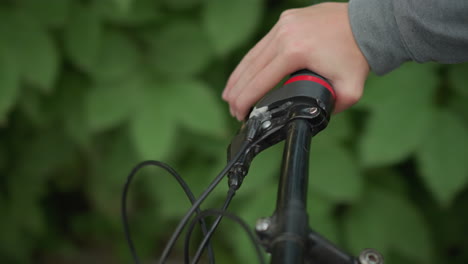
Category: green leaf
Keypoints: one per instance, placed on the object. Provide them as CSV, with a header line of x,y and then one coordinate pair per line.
x,y
196,107
442,157
105,186
14,247
411,82
181,4
333,172
153,126
401,105
41,163
387,222
42,154
200,150
153,133
71,97
261,204
109,104
392,134
189,103
90,225
82,37
390,180
321,217
197,167
9,83
51,13
230,23
250,209
123,5
340,127
265,168
4,157
179,48
35,107
457,104
118,57
458,75
32,47
137,13
173,201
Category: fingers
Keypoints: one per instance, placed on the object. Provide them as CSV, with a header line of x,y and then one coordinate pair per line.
x,y
249,58
264,58
260,84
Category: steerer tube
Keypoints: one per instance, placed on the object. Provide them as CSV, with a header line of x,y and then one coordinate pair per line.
x,y
291,218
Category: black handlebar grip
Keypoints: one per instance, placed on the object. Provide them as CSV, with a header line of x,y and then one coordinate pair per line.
x,y
303,83
318,85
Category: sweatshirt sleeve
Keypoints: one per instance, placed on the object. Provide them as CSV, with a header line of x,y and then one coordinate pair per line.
x,y
390,32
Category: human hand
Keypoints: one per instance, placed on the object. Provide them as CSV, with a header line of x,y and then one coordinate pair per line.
x,y
318,38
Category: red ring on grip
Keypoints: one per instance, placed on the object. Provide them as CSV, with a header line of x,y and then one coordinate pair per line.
x,y
312,79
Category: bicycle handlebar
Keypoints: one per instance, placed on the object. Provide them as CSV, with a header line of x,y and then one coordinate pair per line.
x,y
303,83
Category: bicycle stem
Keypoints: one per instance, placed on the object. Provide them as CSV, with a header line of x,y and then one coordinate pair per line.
x,y
291,217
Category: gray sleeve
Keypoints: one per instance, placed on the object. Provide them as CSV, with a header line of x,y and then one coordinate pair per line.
x,y
390,32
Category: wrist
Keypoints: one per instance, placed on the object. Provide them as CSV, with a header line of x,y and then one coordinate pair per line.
x,y
376,33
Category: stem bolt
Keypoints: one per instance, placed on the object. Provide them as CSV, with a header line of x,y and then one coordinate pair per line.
x,y
263,224
313,110
370,256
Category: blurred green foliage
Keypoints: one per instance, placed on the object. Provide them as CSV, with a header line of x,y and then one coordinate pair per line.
x,y
89,88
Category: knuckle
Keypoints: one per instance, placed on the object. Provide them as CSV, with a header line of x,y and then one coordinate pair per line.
x,y
287,13
284,30
291,45
351,96
225,97
356,96
230,82
230,97
294,50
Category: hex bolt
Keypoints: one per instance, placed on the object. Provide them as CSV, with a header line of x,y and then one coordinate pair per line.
x,y
313,110
266,124
370,256
263,224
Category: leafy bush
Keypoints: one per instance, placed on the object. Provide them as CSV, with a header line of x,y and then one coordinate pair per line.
x,y
89,88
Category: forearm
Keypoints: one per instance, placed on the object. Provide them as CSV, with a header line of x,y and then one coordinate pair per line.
x,y
390,32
